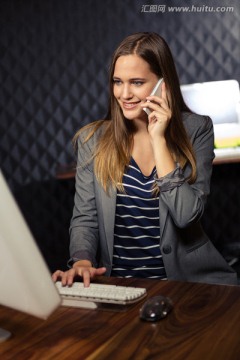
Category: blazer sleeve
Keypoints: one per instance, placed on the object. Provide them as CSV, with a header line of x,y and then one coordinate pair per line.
x,y
84,222
186,202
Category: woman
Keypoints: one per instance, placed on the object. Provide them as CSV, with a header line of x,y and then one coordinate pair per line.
x,y
142,180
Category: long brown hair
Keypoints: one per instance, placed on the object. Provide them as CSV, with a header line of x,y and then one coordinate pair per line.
x,y
113,152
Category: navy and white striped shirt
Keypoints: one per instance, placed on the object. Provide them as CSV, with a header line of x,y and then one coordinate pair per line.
x,y
137,231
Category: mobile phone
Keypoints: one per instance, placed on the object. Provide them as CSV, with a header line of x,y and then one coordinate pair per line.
x,y
156,91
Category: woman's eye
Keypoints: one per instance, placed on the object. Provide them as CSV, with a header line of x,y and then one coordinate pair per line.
x,y
116,82
137,83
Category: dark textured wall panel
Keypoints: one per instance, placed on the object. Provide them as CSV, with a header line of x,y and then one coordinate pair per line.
x,y
54,60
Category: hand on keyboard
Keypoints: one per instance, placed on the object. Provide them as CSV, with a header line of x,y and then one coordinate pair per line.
x,y
81,268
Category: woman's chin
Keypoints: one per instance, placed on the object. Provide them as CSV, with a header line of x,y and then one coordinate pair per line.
x,y
135,115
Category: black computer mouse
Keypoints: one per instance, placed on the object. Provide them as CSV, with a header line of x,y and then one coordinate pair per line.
x,y
156,308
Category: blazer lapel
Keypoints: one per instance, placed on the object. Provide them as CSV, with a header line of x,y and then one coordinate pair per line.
x,y
163,211
109,209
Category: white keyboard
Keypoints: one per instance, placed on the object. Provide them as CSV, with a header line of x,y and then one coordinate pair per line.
x,y
89,297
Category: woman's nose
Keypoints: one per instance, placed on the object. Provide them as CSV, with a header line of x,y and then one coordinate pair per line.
x,y
126,92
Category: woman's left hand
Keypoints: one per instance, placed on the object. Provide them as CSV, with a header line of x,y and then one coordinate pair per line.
x,y
160,116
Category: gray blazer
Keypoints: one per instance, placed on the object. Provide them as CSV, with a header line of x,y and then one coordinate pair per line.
x,y
187,252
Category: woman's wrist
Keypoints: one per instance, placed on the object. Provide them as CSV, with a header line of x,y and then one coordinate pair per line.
x,y
83,263
163,157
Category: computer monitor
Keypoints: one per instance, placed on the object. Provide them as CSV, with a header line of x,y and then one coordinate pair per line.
x,y
221,101
25,281
218,99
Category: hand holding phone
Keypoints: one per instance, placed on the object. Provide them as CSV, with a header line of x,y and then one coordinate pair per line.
x,y
156,91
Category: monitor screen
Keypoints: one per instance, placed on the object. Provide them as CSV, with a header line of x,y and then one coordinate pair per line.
x,y
218,99
25,280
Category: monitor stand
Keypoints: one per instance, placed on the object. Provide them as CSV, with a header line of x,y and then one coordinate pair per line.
x,y
4,335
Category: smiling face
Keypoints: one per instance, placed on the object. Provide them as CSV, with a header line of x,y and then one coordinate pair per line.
x,y
133,81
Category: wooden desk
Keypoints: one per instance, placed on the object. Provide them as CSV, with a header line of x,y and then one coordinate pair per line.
x,y
204,324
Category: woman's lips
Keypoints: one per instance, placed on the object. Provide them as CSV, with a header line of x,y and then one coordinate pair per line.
x,y
131,105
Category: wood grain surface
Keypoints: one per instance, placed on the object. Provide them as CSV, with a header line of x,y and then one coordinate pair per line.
x,y
204,324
